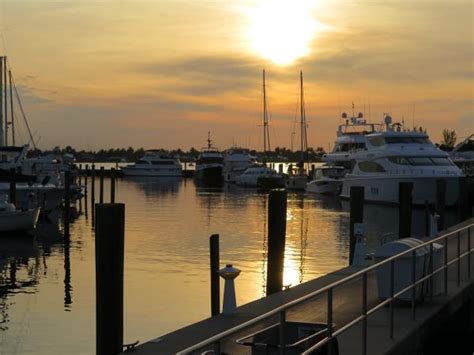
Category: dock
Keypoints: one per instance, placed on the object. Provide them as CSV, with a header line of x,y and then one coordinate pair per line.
x,y
362,323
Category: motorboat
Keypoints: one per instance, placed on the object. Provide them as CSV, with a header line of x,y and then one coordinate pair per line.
x,y
463,155
236,161
154,163
395,156
350,138
16,220
327,180
260,176
209,166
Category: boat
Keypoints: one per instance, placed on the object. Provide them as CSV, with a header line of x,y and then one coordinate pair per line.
x,y
394,156
350,138
236,161
154,163
463,155
298,181
14,220
209,165
327,180
260,176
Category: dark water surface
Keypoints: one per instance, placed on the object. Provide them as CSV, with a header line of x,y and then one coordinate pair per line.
x,y
47,291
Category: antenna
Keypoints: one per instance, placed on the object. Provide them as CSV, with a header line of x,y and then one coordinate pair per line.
x,y
353,112
209,139
413,117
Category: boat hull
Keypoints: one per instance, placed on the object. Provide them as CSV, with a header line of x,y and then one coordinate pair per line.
x,y
324,187
296,182
385,189
209,175
152,172
18,221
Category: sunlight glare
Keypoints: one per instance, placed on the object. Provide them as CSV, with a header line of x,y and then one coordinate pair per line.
x,y
282,30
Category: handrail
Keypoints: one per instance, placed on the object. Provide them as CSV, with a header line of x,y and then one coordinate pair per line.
x,y
320,291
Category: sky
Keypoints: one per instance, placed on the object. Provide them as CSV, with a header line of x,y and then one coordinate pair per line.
x,y
162,73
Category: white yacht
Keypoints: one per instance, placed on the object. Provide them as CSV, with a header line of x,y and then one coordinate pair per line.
x,y
350,138
327,180
395,156
253,176
236,161
154,163
14,220
463,155
209,165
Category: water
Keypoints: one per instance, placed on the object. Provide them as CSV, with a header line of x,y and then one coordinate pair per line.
x,y
47,291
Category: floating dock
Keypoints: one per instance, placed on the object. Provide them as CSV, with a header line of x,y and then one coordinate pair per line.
x,y
363,324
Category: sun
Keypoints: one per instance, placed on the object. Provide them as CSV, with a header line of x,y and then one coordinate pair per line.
x,y
282,30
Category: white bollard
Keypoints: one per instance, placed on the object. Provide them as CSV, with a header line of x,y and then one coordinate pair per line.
x,y
229,273
359,249
434,224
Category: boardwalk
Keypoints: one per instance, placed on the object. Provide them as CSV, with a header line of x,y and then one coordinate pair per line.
x,y
347,305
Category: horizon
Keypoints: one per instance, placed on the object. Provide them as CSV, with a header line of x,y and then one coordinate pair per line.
x,y
95,75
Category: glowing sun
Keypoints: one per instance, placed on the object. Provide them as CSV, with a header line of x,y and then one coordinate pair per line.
x,y
282,30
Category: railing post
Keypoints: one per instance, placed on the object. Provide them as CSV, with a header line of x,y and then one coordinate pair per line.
x,y
392,292
329,321
445,266
364,311
282,332
469,253
413,280
459,259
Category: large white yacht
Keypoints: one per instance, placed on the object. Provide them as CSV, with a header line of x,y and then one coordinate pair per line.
x,y
395,156
350,138
154,163
236,161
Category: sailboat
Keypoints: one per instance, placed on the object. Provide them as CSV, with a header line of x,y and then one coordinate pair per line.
x,y
299,181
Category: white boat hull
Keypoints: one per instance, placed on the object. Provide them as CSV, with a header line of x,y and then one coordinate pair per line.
x,y
385,189
18,221
151,172
324,187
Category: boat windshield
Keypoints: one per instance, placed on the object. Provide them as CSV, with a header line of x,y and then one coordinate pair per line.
x,y
333,172
359,129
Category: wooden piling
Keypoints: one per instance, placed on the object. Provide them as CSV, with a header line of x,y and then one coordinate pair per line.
x,y
214,269
86,190
441,202
12,193
356,216
112,185
93,193
101,185
405,190
276,239
109,263
67,200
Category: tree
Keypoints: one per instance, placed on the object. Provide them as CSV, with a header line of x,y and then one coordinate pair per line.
x,y
449,139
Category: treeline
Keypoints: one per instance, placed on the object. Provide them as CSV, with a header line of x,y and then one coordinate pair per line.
x,y
131,154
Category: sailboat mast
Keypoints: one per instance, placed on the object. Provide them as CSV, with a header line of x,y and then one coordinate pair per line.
x,y
302,119
1,101
264,115
11,107
5,99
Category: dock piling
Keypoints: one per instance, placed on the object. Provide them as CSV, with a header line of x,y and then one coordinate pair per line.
x,y
357,216
214,266
109,263
85,190
405,197
67,199
101,185
112,185
93,193
276,239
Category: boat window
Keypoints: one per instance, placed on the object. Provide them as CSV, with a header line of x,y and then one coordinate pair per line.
x,y
407,140
347,147
371,167
441,161
399,160
420,161
376,141
142,162
210,160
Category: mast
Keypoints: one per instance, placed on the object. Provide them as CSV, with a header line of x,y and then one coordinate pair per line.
x,y
266,134
304,138
6,99
209,140
1,102
11,108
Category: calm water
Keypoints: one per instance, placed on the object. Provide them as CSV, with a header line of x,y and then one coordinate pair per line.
x,y
47,292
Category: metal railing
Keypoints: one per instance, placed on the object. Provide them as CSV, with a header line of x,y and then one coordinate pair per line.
x,y
281,311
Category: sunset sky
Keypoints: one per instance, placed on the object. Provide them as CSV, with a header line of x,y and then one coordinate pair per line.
x,y
161,73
